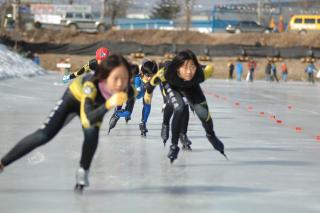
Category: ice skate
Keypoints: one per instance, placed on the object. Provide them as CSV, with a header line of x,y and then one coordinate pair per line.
x,y
217,144
82,180
113,121
186,143
143,129
165,133
173,153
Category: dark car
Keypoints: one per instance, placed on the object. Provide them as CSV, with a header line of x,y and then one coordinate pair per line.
x,y
247,26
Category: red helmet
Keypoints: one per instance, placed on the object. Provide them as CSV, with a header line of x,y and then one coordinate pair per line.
x,y
102,53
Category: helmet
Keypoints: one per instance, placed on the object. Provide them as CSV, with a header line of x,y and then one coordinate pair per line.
x,y
102,53
149,67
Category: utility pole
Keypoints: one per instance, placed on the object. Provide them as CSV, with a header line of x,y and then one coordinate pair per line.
x,y
4,8
16,17
259,11
188,10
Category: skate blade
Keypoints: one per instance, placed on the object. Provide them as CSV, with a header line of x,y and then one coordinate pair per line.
x,y
187,149
224,155
164,143
109,132
78,189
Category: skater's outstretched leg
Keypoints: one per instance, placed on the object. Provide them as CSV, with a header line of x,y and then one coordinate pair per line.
x,y
196,97
129,108
185,141
91,136
145,115
167,114
50,128
178,109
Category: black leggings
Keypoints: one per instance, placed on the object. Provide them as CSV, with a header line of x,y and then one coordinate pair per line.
x,y
197,101
168,112
62,113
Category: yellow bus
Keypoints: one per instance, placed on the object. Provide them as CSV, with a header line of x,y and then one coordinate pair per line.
x,y
304,23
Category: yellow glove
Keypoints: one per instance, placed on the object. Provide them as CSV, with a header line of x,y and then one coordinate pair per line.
x,y
117,99
208,71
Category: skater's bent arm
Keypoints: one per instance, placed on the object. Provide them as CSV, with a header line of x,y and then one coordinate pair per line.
x,y
158,78
91,65
88,114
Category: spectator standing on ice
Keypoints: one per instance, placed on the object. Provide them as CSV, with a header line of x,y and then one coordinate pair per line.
x,y
252,65
230,70
239,69
284,70
274,72
268,71
310,70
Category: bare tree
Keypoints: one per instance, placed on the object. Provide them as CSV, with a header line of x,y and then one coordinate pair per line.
x,y
116,8
3,10
188,12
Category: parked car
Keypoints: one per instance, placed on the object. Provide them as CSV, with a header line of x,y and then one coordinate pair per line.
x,y
75,21
247,26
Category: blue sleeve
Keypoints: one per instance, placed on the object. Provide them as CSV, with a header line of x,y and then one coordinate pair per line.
x,y
137,81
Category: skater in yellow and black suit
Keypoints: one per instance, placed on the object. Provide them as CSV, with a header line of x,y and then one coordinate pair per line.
x,y
93,65
182,78
141,82
167,110
90,97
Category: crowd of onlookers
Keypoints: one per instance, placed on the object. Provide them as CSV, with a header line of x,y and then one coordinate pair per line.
x,y
271,70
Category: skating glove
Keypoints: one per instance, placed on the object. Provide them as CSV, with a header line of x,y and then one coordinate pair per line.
x,y
66,79
117,99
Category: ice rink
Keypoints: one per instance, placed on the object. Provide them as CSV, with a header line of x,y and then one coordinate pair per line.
x,y
271,133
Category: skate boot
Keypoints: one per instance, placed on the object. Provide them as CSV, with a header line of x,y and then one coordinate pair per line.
x,y
113,121
82,180
127,119
173,153
165,133
143,129
186,143
217,144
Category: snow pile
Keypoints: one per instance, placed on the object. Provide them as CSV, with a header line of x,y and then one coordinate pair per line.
x,y
12,65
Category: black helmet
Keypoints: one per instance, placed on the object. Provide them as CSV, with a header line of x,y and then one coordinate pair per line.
x,y
149,67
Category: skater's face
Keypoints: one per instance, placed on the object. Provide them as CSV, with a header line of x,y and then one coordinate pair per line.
x,y
99,62
118,79
147,77
187,70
